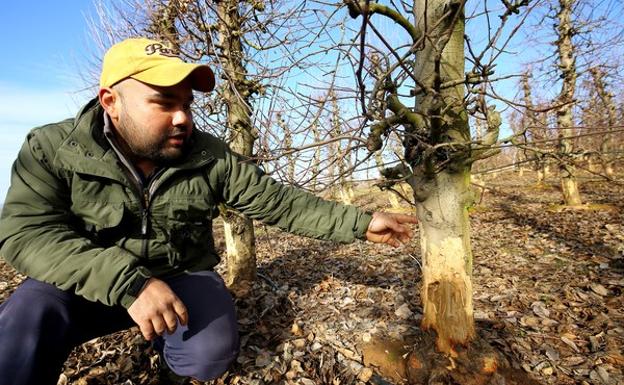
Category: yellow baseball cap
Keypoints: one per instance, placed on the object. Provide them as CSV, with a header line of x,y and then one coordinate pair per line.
x,y
152,62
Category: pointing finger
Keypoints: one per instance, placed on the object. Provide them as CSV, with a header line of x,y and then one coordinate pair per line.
x,y
404,218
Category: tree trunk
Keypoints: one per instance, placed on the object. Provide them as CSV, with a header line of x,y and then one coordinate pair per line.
x,y
606,145
348,185
533,128
565,122
540,175
447,260
288,143
316,160
440,173
241,250
239,232
342,189
445,243
392,197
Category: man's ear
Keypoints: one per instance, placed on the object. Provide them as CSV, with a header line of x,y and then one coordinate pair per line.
x,y
108,99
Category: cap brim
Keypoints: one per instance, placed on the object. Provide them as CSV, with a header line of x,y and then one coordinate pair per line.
x,y
166,75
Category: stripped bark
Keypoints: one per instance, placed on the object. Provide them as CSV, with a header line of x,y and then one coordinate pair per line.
x,y
439,176
239,231
442,211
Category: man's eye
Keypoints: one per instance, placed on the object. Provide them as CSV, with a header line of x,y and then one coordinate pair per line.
x,y
167,105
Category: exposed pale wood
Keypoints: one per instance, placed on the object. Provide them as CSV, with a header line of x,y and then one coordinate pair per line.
x,y
239,232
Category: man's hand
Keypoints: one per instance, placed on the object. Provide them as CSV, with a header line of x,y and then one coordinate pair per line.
x,y
157,309
390,228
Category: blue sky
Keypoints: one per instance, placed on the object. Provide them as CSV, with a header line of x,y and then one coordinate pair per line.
x,y
49,46
47,49
44,46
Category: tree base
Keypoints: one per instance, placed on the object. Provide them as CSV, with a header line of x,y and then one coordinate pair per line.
x,y
417,362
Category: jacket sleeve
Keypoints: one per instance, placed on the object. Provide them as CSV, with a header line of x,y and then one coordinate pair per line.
x,y
39,239
246,188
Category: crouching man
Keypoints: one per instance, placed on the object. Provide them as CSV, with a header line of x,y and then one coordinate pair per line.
x,y
109,215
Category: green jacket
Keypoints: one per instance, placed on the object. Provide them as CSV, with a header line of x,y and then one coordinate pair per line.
x,y
74,217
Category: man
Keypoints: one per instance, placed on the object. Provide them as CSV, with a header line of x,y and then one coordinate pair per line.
x,y
110,216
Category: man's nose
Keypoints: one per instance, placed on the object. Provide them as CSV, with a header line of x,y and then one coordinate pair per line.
x,y
182,118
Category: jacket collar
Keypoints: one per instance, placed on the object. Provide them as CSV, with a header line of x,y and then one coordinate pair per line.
x,y
86,149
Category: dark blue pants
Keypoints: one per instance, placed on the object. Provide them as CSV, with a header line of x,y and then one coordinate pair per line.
x,y
40,324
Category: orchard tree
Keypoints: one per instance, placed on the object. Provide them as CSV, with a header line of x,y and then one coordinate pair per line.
x,y
237,92
607,109
566,101
535,130
423,97
342,190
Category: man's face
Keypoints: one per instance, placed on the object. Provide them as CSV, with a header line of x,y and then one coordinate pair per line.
x,y
154,123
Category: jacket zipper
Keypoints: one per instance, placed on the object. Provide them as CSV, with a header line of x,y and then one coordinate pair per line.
x,y
146,197
145,202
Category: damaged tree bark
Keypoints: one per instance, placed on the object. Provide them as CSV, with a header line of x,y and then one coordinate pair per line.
x,y
437,147
442,210
438,156
239,231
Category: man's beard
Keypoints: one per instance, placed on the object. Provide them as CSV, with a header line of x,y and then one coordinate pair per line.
x,y
157,150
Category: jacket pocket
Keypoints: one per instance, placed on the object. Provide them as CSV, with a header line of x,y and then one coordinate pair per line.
x,y
190,231
100,216
102,221
102,206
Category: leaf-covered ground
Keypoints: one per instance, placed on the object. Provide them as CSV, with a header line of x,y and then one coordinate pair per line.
x,y
548,285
